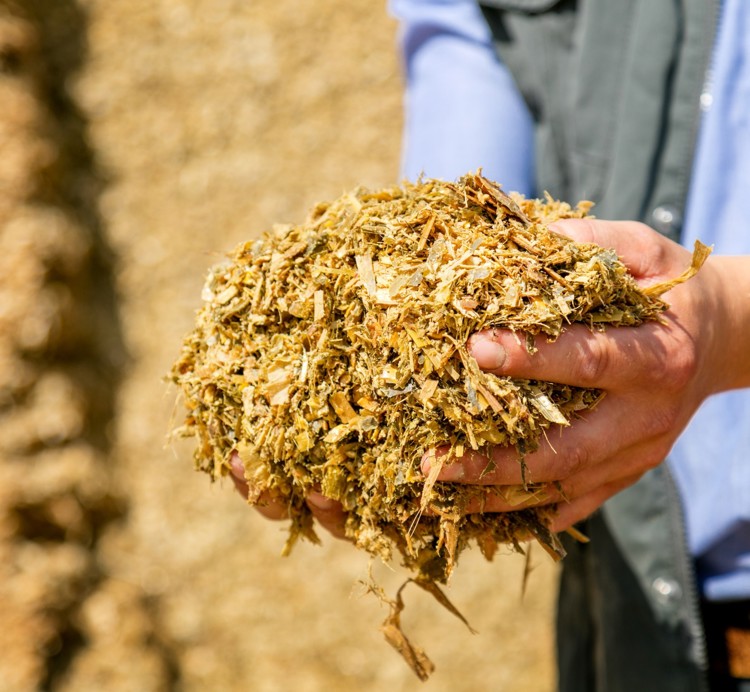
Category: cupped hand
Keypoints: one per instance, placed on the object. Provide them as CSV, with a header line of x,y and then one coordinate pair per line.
x,y
328,513
655,376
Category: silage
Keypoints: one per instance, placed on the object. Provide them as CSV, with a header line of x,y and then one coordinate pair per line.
x,y
331,355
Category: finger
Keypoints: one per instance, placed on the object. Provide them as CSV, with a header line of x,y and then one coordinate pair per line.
x,y
329,513
603,433
579,357
240,485
602,232
271,508
577,510
238,473
267,506
504,498
623,467
639,247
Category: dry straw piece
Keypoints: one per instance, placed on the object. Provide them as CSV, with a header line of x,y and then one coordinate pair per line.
x,y
331,355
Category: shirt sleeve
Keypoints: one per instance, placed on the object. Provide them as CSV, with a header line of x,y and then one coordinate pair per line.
x,y
462,108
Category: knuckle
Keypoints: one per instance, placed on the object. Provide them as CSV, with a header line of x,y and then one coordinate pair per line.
x,y
651,459
594,362
661,430
658,455
682,368
574,460
660,421
657,252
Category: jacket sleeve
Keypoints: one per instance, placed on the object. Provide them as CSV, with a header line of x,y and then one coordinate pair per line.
x,y
462,108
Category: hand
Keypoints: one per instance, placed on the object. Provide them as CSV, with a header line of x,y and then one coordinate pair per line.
x,y
328,513
655,376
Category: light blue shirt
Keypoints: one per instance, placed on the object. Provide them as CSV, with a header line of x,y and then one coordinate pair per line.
x,y
464,112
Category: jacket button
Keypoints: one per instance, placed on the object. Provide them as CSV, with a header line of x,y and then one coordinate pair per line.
x,y
667,590
666,219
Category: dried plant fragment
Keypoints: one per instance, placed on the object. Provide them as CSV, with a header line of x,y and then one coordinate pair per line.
x,y
332,355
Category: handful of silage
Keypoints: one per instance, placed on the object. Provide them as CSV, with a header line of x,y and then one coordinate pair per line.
x,y
331,355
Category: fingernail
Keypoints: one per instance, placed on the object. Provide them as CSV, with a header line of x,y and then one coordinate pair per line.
x,y
489,354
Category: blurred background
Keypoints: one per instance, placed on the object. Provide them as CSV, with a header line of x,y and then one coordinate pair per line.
x,y
140,140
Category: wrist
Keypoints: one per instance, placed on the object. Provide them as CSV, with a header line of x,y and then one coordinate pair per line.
x,y
728,281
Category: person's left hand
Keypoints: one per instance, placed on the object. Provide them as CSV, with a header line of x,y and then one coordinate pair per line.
x,y
328,513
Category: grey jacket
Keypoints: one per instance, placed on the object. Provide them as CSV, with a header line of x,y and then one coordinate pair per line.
x,y
614,88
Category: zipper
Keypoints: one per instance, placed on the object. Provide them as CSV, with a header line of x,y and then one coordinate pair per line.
x,y
685,564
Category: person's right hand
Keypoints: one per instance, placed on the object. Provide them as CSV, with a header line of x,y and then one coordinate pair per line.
x,y
655,376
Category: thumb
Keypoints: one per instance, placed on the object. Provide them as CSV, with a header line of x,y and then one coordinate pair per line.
x,y
641,249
